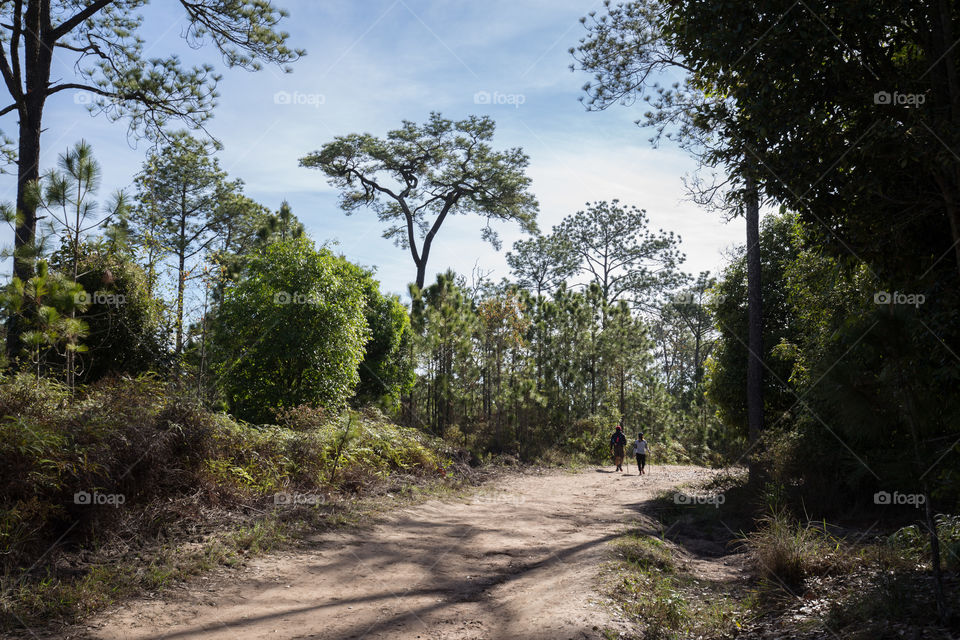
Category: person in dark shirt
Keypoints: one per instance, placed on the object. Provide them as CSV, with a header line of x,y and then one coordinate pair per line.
x,y
618,443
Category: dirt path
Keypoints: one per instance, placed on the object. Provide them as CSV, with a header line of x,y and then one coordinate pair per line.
x,y
518,560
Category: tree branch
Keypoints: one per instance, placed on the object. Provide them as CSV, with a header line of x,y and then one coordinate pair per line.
x,y
71,23
83,87
15,44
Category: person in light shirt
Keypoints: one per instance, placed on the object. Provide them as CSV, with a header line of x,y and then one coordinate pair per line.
x,y
640,448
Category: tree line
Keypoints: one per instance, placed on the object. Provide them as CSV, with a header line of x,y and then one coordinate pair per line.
x,y
840,312
185,275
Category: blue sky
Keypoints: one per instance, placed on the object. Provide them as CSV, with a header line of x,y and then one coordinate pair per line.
x,y
371,64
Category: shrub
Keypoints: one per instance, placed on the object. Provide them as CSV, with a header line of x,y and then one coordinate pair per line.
x,y
386,372
290,331
126,332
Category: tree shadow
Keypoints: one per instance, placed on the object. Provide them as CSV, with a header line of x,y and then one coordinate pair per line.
x,y
446,584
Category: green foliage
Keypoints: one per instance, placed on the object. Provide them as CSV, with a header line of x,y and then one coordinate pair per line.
x,y
350,450
126,329
786,552
184,200
506,371
646,553
541,263
618,252
660,597
150,92
46,305
110,68
728,366
166,457
128,437
913,542
290,331
66,195
386,372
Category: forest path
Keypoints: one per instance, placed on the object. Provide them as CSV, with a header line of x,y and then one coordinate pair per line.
x,y
519,559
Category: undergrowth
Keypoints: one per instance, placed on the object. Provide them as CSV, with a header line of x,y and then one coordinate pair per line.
x,y
128,487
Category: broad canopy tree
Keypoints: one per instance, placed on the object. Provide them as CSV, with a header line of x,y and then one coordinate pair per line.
x,y
101,37
419,174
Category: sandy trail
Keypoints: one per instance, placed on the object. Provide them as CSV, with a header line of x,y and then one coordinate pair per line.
x,y
518,560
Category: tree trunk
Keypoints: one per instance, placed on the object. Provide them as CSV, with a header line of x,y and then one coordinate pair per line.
x,y
910,414
755,325
203,343
28,171
181,274
942,41
946,185
181,287
421,273
37,56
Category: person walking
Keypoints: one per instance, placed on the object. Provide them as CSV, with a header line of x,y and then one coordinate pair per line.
x,y
640,448
618,443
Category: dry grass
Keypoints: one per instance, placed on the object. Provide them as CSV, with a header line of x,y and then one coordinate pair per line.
x,y
785,552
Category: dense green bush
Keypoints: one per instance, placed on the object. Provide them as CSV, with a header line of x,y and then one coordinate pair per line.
x,y
386,372
290,331
913,542
126,332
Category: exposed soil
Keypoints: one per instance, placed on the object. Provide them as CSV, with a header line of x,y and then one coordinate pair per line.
x,y
519,559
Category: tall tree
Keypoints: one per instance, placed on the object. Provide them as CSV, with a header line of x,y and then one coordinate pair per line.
x,y
419,174
871,156
109,65
542,262
690,306
182,186
754,324
619,253
443,318
66,194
